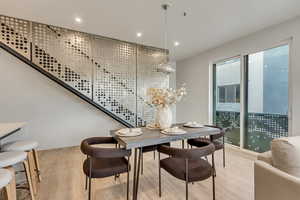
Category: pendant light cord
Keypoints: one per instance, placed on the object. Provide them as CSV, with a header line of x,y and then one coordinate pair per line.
x,y
166,31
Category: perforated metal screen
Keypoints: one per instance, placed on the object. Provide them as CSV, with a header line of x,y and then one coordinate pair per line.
x,y
114,74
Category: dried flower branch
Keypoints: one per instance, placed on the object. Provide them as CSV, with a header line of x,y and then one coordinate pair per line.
x,y
163,97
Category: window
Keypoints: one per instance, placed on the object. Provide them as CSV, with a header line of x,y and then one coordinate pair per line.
x,y
229,93
227,97
265,79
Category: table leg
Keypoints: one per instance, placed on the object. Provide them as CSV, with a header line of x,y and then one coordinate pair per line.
x,y
134,173
137,167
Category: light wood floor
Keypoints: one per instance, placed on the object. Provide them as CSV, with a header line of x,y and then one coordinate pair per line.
x,y
63,179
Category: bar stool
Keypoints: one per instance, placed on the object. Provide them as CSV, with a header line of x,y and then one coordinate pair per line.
x,y
7,182
8,159
29,147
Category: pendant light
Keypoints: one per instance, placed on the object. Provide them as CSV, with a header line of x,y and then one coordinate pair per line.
x,y
166,67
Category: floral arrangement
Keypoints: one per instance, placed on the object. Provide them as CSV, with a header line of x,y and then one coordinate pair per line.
x,y
165,97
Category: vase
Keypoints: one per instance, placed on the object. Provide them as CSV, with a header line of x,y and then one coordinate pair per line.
x,y
164,117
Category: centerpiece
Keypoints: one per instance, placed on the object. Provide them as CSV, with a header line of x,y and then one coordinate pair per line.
x,y
163,99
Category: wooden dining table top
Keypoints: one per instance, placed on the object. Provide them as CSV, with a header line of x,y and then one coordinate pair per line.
x,y
7,129
155,137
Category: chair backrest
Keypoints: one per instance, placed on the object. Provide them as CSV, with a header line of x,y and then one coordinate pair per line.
x,y
87,148
217,136
193,154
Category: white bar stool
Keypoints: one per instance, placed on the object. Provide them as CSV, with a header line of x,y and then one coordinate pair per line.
x,y
7,182
8,159
29,147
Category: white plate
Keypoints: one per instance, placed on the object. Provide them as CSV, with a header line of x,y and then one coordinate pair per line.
x,y
193,125
131,134
173,133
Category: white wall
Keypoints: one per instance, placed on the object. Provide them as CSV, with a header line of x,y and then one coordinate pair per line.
x,y
55,116
195,71
172,84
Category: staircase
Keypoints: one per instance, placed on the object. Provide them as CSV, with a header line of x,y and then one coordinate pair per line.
x,y
109,74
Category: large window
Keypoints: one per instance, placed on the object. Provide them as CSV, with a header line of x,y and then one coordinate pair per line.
x,y
227,97
265,100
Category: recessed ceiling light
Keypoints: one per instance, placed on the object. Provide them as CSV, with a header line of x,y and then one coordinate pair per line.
x,y
139,34
78,20
176,44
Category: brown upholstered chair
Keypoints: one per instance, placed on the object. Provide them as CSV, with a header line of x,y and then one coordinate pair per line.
x,y
215,139
187,164
104,162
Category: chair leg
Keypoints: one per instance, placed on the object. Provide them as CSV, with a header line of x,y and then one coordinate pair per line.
x,y
182,143
224,151
37,164
127,186
224,157
86,177
90,188
154,155
159,176
214,188
186,179
28,177
86,182
90,178
10,189
186,190
128,174
213,175
32,171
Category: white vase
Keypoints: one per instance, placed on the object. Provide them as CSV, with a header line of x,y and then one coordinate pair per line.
x,y
164,117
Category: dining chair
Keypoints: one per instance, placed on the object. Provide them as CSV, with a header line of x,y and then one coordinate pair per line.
x,y
215,139
8,184
104,162
187,164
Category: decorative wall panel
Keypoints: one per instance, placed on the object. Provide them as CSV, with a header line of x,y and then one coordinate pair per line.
x,y
15,33
113,74
149,59
115,77
63,53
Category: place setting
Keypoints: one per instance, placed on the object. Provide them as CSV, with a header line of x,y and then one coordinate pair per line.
x,y
129,132
193,125
176,130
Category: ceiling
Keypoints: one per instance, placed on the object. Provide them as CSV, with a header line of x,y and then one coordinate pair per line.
x,y
209,23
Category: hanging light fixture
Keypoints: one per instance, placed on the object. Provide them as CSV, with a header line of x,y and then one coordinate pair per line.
x,y
166,67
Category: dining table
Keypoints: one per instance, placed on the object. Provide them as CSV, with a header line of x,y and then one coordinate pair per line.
x,y
7,129
151,137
